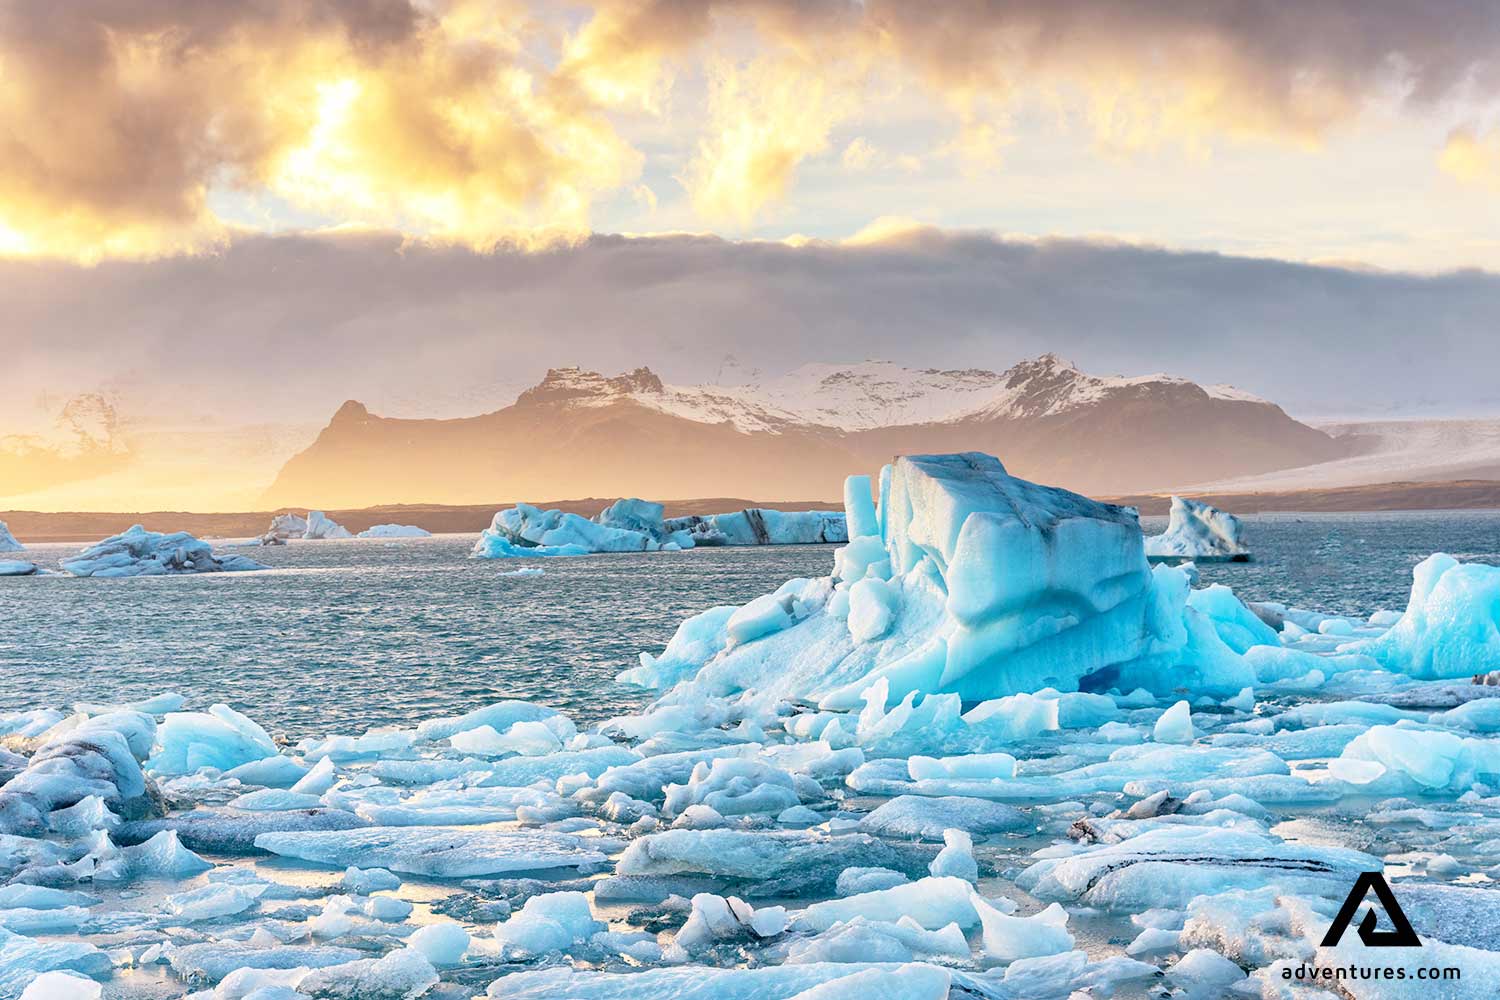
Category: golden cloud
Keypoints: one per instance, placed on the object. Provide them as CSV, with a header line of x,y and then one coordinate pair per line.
x,y
506,121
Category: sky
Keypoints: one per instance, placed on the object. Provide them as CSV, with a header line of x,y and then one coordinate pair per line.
x,y
246,211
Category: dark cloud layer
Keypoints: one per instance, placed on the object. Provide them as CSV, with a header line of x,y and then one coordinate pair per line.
x,y
287,327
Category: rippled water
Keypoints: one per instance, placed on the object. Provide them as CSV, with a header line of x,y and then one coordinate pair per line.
x,y
345,635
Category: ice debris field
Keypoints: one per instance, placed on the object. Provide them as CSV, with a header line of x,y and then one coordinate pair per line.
x,y
994,754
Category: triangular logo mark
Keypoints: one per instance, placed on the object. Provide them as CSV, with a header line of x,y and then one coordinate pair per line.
x,y
1402,936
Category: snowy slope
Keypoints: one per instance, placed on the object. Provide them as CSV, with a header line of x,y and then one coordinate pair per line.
x,y
863,396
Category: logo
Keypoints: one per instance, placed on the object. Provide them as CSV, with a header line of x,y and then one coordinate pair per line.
x,y
1401,937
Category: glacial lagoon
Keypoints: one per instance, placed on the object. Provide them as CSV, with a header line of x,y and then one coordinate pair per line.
x,y
347,635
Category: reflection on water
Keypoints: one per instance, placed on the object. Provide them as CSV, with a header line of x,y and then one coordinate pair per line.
x,y
346,635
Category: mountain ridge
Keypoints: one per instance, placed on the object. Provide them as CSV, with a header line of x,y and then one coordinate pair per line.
x,y
582,432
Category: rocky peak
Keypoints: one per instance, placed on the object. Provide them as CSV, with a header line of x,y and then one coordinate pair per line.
x,y
563,384
352,412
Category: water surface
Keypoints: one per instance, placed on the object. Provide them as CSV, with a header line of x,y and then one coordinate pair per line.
x,y
345,635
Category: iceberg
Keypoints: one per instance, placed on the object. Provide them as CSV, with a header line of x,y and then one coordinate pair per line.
x,y
394,531
17,567
635,525
321,526
1451,627
138,552
763,526
8,542
283,527
1199,531
977,585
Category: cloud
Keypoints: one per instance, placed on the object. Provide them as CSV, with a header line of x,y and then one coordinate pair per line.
x,y
121,116
1473,156
287,327
507,121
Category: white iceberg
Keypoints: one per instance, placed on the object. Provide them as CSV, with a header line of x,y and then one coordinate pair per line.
x,y
283,527
1199,531
394,531
139,552
321,526
8,542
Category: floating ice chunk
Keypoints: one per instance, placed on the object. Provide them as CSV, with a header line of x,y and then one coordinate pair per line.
x,y
212,901
1175,725
61,985
400,975
363,881
215,960
1010,939
1204,975
932,902
872,608
443,943
23,959
1406,758
272,772
927,818
220,738
552,921
714,919
1196,530
436,851
1451,627
8,541
500,716
318,779
163,856
908,982
395,531
321,526
370,745
90,760
267,799
737,787
761,526
1170,865
527,531
138,552
975,765
854,881
17,567
526,738
957,857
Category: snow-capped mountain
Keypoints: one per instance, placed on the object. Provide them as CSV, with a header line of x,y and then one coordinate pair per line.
x,y
795,436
